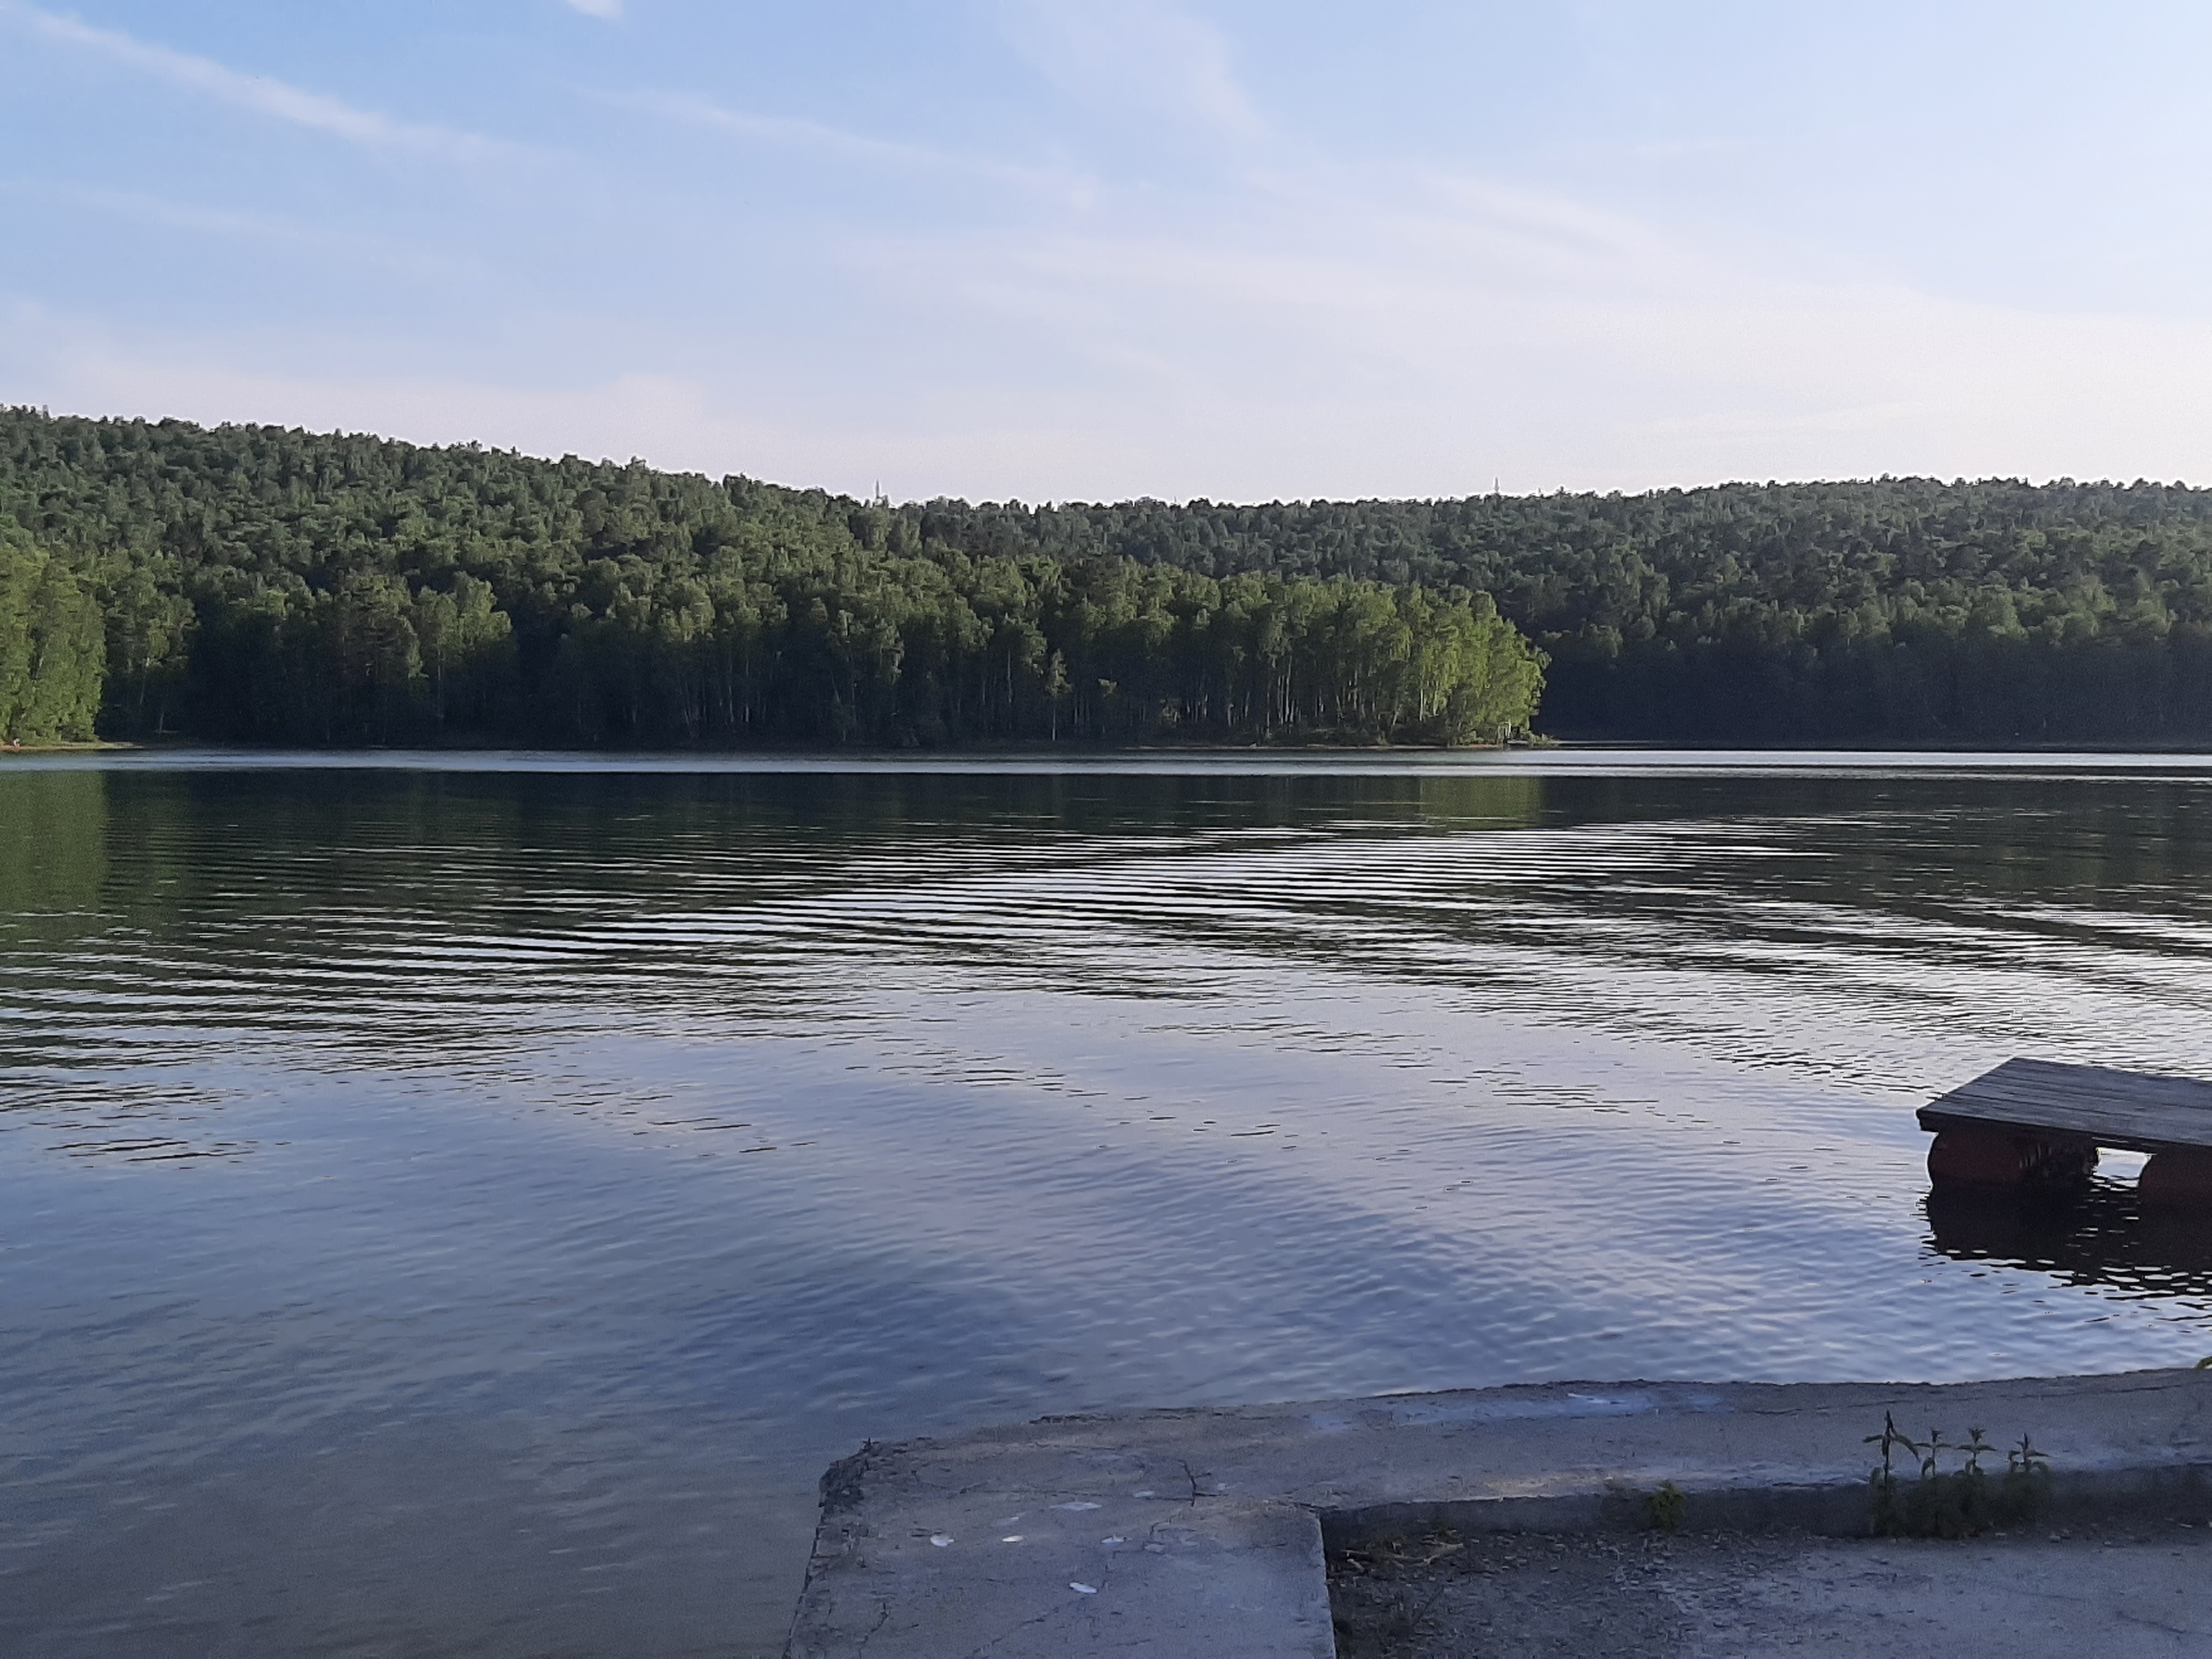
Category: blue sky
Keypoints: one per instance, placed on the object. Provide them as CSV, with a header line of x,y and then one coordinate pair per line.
x,y
1055,250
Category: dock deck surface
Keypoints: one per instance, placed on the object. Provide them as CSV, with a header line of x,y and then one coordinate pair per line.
x,y
2130,1111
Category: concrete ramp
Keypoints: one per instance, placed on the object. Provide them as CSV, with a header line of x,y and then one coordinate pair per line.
x,y
1115,1574
1200,1533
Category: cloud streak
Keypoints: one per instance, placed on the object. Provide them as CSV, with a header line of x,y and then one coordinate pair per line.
x,y
1401,333
1144,57
259,94
883,154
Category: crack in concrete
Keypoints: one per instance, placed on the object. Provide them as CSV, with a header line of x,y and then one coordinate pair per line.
x,y
1012,1631
2159,1624
883,1617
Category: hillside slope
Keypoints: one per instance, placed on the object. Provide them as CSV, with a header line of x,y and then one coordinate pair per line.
x,y
266,585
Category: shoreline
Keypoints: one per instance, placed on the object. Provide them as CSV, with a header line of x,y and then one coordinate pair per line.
x,y
1562,747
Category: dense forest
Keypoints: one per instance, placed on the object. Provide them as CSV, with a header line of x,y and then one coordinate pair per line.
x,y
1898,610
256,584
261,585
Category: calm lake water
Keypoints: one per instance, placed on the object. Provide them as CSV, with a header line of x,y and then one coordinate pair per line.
x,y
458,1207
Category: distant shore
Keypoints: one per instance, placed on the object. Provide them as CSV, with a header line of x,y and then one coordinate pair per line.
x,y
1094,750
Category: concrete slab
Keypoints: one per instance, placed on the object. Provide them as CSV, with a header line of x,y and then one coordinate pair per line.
x,y
2109,1593
1976,1600
1199,1531
925,1571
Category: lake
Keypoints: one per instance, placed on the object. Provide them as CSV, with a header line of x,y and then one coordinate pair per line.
x,y
458,1203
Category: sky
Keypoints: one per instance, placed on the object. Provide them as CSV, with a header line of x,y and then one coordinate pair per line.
x,y
1048,250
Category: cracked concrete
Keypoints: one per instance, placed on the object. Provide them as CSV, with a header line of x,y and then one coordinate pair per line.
x,y
1201,1532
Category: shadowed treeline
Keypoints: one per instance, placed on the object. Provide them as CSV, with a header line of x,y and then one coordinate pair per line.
x,y
1895,611
268,586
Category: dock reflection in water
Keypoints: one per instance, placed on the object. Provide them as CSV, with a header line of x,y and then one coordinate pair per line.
x,y
2099,1236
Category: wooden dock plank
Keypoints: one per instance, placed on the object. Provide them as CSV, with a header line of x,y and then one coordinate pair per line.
x,y
2136,1111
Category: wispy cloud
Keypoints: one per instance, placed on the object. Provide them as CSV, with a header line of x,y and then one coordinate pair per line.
x,y
263,94
893,155
1215,299
1147,56
609,9
1406,331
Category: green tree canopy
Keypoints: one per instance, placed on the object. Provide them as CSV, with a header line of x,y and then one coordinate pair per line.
x,y
265,585
278,586
52,646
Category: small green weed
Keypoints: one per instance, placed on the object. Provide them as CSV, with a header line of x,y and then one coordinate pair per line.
x,y
1955,1503
1667,1508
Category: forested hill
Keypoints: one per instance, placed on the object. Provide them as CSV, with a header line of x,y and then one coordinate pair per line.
x,y
1903,610
255,583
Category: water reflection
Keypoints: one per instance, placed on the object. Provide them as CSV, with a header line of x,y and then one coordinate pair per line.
x,y
53,842
2099,1236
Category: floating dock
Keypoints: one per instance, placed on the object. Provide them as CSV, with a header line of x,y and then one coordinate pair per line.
x,y
2038,1122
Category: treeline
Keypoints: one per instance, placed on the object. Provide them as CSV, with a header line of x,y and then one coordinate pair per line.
x,y
261,585
1896,611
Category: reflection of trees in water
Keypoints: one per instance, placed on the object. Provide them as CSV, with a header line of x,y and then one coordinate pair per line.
x,y
684,840
2101,1235
2103,843
53,853
1754,877
1931,847
1896,882
1908,843
52,826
